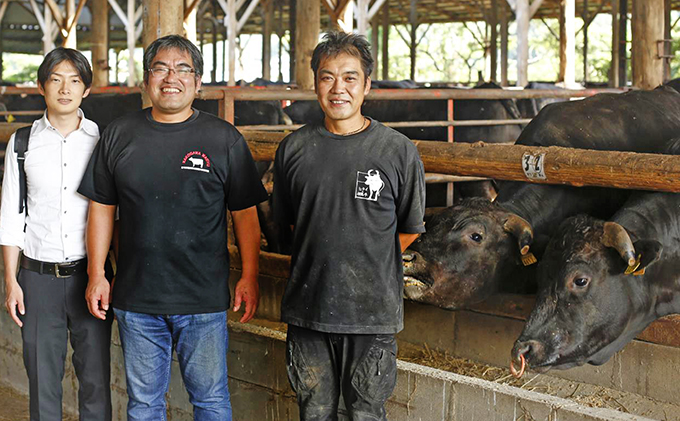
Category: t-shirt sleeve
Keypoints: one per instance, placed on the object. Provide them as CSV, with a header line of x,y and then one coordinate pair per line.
x,y
281,205
411,202
98,183
244,187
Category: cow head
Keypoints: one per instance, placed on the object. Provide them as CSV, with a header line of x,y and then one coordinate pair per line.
x,y
464,254
593,298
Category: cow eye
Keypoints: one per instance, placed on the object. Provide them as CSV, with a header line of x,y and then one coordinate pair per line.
x,y
476,237
581,282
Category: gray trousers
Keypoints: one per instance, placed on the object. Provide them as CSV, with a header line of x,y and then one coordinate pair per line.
x,y
56,307
324,366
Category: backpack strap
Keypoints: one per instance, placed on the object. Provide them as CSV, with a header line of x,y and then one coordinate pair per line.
x,y
20,147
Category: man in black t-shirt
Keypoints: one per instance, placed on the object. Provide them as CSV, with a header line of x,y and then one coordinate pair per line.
x,y
173,172
353,191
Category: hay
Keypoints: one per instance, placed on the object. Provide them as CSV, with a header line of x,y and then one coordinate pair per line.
x,y
602,398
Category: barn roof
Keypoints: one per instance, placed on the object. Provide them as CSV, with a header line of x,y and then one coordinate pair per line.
x,y
20,31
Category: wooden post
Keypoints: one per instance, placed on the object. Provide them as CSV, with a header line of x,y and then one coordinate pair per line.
x,y
569,43
189,24
648,16
493,52
131,43
307,36
160,18
362,17
292,15
623,42
504,43
267,25
280,32
70,38
159,22
213,33
522,15
667,36
99,39
375,46
586,23
563,43
231,28
616,46
413,21
48,41
385,41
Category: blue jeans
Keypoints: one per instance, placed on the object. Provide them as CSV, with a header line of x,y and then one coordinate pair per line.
x,y
201,344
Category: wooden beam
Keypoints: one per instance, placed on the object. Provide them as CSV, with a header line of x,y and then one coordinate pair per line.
x,y
375,46
504,43
667,40
3,9
56,12
523,17
74,20
232,32
307,35
616,45
493,48
246,14
385,41
569,42
267,25
189,9
575,167
623,44
413,22
99,9
648,17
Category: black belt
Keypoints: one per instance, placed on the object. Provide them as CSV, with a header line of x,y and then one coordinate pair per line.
x,y
60,270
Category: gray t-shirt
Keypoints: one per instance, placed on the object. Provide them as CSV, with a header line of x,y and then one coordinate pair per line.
x,y
348,198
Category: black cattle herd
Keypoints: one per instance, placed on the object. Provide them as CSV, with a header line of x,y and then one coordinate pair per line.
x,y
608,261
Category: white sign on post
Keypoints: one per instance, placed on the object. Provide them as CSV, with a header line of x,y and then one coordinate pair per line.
x,y
534,166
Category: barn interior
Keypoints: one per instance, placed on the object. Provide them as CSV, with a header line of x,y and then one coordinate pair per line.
x,y
453,364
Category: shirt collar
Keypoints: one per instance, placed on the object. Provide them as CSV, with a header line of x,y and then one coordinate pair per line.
x,y
88,126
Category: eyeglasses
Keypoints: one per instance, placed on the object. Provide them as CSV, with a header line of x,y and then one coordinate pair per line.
x,y
181,72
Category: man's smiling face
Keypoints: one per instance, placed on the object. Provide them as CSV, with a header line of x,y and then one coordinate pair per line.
x,y
172,94
341,86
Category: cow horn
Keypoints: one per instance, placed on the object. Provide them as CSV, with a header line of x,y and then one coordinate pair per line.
x,y
521,229
617,237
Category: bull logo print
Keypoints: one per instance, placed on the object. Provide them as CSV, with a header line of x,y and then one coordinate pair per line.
x,y
369,185
196,161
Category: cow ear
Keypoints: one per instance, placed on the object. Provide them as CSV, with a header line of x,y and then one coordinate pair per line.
x,y
649,252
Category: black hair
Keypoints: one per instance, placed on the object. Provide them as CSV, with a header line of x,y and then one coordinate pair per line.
x,y
335,43
60,54
169,42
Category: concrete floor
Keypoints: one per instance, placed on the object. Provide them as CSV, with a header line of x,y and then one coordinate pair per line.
x,y
14,406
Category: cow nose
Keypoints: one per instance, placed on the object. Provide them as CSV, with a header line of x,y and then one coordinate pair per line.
x,y
532,350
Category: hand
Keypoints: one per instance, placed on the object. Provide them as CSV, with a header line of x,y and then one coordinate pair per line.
x,y
247,290
15,300
98,296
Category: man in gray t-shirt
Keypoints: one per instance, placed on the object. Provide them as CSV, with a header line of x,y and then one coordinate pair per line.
x,y
353,191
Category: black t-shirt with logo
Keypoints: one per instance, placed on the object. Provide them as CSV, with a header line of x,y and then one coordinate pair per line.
x,y
348,198
172,184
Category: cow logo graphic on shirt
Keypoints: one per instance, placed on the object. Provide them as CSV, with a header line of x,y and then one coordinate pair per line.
x,y
196,161
369,185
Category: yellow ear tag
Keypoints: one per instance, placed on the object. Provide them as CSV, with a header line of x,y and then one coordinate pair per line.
x,y
528,259
639,272
10,118
633,268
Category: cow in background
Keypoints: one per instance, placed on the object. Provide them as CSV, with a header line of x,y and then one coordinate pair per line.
x,y
602,283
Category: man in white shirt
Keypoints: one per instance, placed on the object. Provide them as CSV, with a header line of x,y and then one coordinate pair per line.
x,y
47,298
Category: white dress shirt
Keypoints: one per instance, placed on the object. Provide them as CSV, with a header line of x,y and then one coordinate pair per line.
x,y
57,213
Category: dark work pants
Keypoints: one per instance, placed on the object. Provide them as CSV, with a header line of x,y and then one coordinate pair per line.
x,y
55,307
322,366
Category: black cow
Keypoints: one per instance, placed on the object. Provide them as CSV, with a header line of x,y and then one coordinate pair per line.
x,y
470,249
104,108
602,283
529,108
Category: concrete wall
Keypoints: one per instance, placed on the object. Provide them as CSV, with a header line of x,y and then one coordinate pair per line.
x,y
260,389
